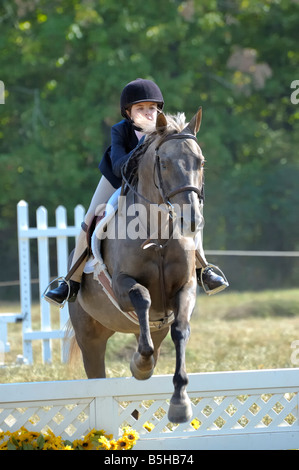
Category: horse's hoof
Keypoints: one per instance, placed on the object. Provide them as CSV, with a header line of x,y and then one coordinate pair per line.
x,y
142,373
180,412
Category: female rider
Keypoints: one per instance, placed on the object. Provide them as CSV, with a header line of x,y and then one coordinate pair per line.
x,y
140,102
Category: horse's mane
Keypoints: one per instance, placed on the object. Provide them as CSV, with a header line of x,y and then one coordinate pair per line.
x,y
175,124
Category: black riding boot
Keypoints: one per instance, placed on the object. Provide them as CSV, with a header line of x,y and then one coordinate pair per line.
x,y
63,293
214,283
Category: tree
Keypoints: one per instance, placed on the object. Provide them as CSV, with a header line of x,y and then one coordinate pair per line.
x,y
65,62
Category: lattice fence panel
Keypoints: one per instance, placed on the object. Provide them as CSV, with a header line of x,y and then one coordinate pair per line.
x,y
215,415
67,419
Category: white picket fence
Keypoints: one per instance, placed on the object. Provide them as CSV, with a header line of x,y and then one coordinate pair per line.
x,y
41,233
231,410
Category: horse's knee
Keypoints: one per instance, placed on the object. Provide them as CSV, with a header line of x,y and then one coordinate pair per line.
x,y
180,333
140,297
128,292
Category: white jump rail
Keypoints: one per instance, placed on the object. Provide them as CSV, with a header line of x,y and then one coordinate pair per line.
x,y
255,410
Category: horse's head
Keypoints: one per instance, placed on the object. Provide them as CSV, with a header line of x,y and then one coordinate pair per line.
x,y
171,170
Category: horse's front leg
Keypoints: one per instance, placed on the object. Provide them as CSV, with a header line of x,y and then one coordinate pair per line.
x,y
180,410
132,296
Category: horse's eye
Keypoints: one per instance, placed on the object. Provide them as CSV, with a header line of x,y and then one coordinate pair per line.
x,y
163,165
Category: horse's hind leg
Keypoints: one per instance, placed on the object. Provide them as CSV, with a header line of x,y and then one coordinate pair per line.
x,y
92,338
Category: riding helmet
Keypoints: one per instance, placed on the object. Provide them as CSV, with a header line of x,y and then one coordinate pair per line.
x,y
140,90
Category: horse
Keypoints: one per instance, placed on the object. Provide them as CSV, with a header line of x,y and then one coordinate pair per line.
x,y
155,277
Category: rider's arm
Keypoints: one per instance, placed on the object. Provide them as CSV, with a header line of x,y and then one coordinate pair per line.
x,y
119,151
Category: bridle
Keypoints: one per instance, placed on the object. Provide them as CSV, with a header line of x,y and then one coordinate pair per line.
x,y
166,196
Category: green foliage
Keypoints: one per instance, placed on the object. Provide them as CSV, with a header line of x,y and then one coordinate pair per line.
x,y
65,62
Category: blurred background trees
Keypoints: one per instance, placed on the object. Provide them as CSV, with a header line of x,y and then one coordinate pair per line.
x,y
64,64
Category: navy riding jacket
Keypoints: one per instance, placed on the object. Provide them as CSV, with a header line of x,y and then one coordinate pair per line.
x,y
123,142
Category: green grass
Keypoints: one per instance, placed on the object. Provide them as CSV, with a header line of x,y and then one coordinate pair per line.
x,y
229,331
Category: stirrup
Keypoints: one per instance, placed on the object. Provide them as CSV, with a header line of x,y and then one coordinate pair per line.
x,y
218,289
63,279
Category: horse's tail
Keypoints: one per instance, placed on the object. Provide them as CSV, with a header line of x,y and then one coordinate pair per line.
x,y
71,348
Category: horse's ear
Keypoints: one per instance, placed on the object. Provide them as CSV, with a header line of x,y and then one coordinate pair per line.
x,y
161,123
195,122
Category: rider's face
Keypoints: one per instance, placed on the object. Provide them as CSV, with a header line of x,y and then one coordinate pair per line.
x,y
144,110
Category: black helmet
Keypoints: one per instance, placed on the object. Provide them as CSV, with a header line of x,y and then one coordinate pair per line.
x,y
140,90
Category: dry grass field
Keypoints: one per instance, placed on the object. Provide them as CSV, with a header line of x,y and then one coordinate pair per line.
x,y
229,331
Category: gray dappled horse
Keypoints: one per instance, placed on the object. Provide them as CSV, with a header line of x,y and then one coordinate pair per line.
x,y
155,278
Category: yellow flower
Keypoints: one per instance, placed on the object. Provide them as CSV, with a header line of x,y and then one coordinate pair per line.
x,y
131,436
87,445
31,440
104,443
52,442
123,443
77,444
91,434
113,444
